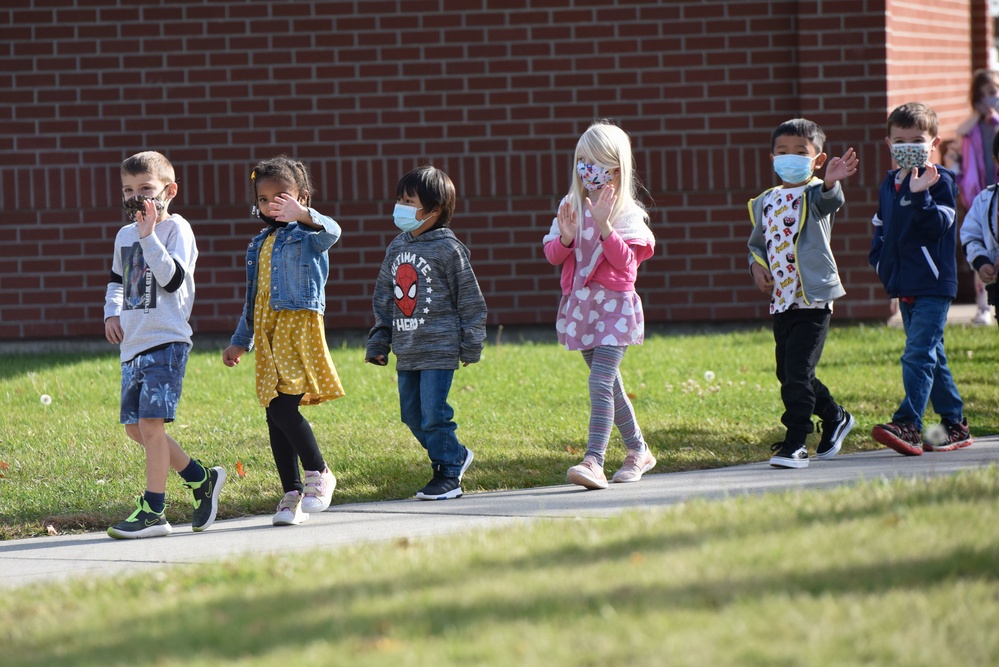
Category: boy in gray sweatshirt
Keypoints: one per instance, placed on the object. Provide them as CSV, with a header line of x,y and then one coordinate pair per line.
x,y
429,310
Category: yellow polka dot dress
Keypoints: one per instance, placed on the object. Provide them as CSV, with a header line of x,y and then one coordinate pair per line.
x,y
291,352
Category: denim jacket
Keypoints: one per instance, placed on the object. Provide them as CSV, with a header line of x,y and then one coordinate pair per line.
x,y
300,266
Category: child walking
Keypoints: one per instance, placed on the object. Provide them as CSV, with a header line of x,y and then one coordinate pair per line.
x,y
600,245
914,252
287,265
146,311
977,165
791,261
979,233
429,310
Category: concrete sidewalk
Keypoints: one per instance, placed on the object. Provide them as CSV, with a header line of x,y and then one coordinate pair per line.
x,y
57,558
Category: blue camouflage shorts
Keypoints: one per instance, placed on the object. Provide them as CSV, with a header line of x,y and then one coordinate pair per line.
x,y
151,383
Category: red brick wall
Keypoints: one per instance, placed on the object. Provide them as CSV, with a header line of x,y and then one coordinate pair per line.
x,y
495,92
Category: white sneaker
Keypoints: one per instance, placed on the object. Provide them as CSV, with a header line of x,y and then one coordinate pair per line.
x,y
318,490
289,510
983,317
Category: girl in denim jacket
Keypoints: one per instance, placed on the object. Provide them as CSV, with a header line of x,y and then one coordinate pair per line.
x,y
287,266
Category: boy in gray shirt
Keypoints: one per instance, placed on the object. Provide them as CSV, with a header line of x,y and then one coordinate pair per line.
x,y
146,311
429,310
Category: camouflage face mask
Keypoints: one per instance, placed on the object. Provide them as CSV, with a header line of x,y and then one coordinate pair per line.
x,y
137,203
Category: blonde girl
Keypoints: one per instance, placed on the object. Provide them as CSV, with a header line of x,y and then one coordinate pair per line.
x,y
600,245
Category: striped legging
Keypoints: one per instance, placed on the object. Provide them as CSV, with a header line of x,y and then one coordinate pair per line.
x,y
609,405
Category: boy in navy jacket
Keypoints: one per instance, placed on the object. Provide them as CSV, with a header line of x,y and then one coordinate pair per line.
x,y
913,251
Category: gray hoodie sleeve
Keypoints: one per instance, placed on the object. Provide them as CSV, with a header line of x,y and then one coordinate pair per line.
x,y
380,336
471,305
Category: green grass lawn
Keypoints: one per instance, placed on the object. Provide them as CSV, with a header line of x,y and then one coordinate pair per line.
x,y
884,573
523,410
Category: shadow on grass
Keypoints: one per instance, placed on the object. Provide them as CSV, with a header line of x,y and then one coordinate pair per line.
x,y
269,617
15,365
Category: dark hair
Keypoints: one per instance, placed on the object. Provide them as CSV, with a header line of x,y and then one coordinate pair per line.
x,y
913,114
995,147
800,127
285,169
433,187
980,79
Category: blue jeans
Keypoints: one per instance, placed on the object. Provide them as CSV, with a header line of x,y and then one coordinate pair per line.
x,y
925,375
425,410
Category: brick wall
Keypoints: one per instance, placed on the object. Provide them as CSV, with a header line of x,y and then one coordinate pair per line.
x,y
495,92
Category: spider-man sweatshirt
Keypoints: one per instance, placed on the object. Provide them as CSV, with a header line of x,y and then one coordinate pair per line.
x,y
428,307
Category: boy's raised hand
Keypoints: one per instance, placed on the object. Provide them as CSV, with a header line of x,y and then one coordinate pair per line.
x,y
145,220
567,223
925,180
841,167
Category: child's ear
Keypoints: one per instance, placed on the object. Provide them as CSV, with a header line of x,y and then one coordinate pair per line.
x,y
171,190
820,160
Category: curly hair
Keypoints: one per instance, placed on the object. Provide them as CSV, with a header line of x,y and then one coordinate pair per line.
x,y
287,170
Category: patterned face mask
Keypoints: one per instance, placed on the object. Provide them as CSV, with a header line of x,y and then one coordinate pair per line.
x,y
137,204
594,176
910,156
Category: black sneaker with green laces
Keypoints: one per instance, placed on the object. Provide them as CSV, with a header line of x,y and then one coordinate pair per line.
x,y
206,497
142,523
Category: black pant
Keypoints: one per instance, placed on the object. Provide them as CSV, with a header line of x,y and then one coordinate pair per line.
x,y
292,439
800,335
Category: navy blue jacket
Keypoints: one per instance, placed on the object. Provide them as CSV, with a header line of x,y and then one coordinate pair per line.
x,y
915,238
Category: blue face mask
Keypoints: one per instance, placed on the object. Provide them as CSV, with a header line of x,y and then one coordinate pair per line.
x,y
793,168
405,218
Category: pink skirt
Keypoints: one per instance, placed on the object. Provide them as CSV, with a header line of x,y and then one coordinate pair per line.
x,y
594,315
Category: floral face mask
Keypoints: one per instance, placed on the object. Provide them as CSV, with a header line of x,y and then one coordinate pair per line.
x,y
910,156
594,176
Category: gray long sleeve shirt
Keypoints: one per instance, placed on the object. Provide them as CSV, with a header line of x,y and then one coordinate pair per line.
x,y
428,307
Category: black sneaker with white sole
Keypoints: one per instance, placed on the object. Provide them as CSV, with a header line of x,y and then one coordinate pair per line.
x,y
206,498
788,455
833,434
142,523
441,487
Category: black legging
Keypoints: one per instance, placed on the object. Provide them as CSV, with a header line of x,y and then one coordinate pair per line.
x,y
292,440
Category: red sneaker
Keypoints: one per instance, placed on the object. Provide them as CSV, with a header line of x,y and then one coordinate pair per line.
x,y
903,437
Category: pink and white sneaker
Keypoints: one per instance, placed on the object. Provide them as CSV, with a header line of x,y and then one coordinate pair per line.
x,y
589,474
635,465
318,490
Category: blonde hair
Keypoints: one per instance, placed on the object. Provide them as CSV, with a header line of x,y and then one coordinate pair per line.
x,y
609,146
150,162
